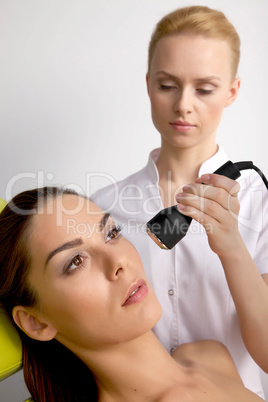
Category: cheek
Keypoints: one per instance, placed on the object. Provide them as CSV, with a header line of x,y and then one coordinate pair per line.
x,y
159,102
160,110
213,110
78,316
67,299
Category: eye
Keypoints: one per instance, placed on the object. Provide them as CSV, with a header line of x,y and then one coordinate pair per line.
x,y
205,91
77,262
113,233
166,87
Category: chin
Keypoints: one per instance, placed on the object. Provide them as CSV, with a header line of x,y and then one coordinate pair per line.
x,y
153,315
147,318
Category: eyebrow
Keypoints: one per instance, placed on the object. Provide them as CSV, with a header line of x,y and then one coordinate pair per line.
x,y
202,79
104,220
63,247
76,242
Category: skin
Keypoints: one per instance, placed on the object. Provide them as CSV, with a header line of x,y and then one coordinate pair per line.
x,y
179,90
81,294
190,79
216,206
95,285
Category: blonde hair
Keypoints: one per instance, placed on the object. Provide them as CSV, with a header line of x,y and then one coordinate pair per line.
x,y
197,20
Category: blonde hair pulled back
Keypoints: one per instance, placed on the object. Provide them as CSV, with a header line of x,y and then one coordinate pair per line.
x,y
197,20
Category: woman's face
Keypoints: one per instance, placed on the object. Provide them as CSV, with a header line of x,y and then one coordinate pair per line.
x,y
189,85
90,281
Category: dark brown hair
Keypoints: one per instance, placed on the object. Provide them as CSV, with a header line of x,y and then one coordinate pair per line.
x,y
52,372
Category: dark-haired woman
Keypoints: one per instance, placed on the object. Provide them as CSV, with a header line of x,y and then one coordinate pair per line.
x,y
85,308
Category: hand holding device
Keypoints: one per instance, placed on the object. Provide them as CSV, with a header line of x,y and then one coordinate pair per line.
x,y
169,226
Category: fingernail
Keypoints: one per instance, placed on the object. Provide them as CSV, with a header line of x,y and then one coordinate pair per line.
x,y
186,187
205,177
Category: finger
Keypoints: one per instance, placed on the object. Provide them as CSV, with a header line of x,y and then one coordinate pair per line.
x,y
216,194
199,207
216,180
197,215
210,215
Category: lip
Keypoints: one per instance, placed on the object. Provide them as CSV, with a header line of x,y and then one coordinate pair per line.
x,y
182,125
136,292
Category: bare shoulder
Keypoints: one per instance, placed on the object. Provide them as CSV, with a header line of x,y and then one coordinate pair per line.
x,y
209,354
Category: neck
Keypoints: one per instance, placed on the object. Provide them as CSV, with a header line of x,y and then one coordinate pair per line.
x,y
182,164
137,370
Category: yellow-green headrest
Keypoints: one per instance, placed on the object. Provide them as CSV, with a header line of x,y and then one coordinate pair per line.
x,y
3,203
10,345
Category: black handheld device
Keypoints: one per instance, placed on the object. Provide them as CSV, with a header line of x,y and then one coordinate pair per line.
x,y
169,226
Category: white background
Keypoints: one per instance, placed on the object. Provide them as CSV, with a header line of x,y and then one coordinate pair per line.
x,y
73,101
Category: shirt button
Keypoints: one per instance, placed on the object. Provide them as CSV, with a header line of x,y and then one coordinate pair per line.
x,y
171,292
172,350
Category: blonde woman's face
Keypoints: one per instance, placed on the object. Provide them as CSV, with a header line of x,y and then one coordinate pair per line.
x,y
90,281
189,86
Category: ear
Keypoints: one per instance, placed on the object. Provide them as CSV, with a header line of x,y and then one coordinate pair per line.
x,y
233,92
147,83
29,323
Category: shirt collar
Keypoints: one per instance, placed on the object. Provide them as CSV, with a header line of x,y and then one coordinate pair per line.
x,y
209,166
213,163
151,169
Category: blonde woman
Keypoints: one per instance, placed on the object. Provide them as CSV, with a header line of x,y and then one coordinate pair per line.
x,y
213,284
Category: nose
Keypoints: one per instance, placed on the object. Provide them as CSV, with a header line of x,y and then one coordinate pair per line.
x,y
184,102
114,262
